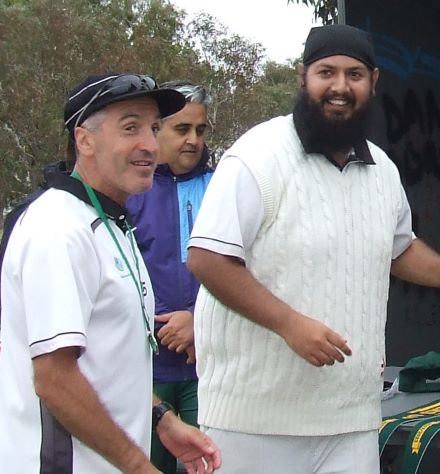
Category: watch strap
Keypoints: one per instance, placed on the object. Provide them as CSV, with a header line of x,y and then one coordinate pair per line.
x,y
159,411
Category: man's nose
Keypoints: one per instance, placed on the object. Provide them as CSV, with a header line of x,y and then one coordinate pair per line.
x,y
340,83
148,142
192,137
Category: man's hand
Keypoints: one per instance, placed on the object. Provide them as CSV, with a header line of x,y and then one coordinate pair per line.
x,y
191,353
195,450
234,285
178,332
314,341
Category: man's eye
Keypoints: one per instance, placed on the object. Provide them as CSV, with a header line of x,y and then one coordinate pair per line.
x,y
130,128
155,129
201,131
325,73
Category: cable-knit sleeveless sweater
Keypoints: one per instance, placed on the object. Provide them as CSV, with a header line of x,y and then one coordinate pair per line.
x,y
324,248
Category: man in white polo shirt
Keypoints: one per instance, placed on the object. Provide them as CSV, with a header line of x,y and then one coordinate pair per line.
x,y
77,303
294,242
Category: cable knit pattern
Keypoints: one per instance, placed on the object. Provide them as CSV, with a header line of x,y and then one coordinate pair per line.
x,y
325,248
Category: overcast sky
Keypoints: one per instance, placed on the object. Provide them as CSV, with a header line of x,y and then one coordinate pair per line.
x,y
281,28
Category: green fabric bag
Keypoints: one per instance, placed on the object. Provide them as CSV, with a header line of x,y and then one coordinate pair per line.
x,y
421,374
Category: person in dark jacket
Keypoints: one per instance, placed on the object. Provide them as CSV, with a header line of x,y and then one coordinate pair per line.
x,y
164,218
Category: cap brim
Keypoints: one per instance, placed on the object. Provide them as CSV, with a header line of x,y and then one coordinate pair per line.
x,y
168,100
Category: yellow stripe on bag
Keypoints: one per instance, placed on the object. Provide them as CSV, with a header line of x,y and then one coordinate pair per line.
x,y
417,441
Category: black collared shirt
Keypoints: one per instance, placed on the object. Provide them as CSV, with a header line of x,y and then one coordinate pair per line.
x,y
360,152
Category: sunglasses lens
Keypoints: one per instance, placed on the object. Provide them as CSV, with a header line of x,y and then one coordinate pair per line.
x,y
148,82
123,84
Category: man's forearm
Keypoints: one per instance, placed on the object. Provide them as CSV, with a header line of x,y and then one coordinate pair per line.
x,y
73,402
419,264
229,280
231,283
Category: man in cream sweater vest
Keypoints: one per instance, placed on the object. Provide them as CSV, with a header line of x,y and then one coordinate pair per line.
x,y
294,244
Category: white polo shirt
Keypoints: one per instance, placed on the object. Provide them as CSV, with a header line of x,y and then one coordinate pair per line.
x,y
65,283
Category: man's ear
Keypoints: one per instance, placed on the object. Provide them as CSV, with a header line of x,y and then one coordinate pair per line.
x,y
84,141
374,78
302,74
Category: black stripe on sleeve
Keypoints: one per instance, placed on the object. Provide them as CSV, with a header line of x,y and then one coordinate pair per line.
x,y
214,240
56,335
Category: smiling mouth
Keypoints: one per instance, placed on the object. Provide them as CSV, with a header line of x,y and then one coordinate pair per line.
x,y
338,102
143,163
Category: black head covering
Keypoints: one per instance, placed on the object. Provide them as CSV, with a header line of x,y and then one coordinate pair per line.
x,y
332,40
96,92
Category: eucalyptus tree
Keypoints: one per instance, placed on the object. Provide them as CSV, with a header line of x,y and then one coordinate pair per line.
x,y
46,47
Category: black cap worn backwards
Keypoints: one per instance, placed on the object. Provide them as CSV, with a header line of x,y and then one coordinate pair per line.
x,y
96,92
333,40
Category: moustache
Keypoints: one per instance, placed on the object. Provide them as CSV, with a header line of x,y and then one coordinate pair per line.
x,y
192,149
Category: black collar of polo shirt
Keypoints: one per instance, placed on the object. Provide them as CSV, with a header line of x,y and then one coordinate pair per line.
x,y
113,210
361,151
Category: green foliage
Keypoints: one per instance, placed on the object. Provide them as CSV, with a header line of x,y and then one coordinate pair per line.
x,y
277,88
326,10
46,47
230,68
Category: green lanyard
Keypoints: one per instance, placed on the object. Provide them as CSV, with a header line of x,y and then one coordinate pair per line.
x,y
137,281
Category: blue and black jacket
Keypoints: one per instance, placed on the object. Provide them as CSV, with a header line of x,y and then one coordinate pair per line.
x,y
164,218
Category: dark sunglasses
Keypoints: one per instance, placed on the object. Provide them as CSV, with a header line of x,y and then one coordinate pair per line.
x,y
114,86
126,83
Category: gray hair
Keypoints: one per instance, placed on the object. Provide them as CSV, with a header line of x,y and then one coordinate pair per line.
x,y
93,122
194,94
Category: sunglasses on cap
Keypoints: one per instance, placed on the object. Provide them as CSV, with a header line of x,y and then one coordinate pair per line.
x,y
114,86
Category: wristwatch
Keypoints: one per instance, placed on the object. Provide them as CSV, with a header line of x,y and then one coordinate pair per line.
x,y
158,412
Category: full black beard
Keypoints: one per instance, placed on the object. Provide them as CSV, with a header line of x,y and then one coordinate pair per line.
x,y
329,135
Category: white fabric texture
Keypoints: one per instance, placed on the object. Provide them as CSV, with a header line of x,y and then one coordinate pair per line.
x,y
65,284
324,247
349,453
242,203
